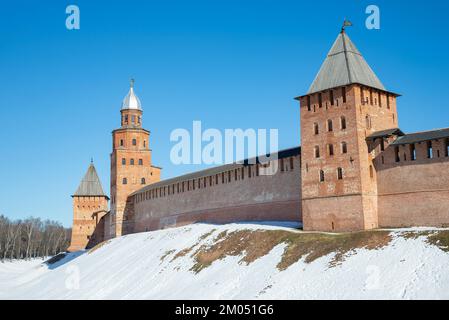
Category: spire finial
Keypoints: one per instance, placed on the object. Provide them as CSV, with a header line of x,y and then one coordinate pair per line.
x,y
91,160
132,82
346,23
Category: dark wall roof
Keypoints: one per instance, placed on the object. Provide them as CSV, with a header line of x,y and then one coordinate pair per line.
x,y
422,136
385,133
212,171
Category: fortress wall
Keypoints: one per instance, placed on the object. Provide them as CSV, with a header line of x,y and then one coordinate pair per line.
x,y
413,193
256,198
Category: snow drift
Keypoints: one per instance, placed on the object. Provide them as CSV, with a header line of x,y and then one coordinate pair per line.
x,y
242,261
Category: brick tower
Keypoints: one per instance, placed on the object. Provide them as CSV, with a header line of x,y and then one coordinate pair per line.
x,y
345,103
131,167
90,204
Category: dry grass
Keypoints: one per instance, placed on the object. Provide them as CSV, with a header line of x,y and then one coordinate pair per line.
x,y
252,245
167,253
186,251
440,239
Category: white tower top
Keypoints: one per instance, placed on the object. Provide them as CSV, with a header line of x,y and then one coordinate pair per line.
x,y
131,101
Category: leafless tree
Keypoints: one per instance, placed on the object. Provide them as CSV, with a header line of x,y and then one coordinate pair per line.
x,y
31,238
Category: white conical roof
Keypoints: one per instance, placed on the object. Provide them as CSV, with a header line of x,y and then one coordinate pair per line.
x,y
131,101
344,65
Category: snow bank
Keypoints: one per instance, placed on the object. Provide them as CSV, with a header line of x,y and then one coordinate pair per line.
x,y
143,266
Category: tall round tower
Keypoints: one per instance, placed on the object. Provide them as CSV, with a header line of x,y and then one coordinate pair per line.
x,y
131,165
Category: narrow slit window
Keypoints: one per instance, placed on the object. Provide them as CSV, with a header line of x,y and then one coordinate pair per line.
x,y
320,100
412,152
446,148
368,121
396,153
142,181
321,176
344,147
330,126
308,103
316,128
343,123
331,149
331,97
343,94
317,152
340,173
429,150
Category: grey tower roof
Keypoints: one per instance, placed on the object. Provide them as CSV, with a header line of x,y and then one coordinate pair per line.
x,y
90,185
344,65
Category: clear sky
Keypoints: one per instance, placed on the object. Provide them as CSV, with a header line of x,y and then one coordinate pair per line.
x,y
230,64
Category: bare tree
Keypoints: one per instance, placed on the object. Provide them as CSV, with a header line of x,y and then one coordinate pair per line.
x,y
31,238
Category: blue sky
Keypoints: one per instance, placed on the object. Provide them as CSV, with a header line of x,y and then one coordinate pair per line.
x,y
230,64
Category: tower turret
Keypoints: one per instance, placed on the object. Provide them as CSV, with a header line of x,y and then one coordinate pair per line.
x,y
90,204
131,164
345,103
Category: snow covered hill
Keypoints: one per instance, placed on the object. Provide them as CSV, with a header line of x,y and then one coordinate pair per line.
x,y
243,261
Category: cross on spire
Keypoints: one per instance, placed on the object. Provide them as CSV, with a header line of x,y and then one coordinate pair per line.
x,y
132,82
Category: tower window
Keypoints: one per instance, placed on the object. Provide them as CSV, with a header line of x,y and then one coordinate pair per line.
x,y
340,173
371,97
388,101
412,152
144,143
320,100
330,148
343,93
142,181
138,119
126,119
344,147
379,97
368,121
134,142
140,162
321,176
396,153
382,144
133,119
317,152
121,143
446,149
343,123
331,97
123,161
371,171
429,150
316,128
308,103
125,181
131,162
330,126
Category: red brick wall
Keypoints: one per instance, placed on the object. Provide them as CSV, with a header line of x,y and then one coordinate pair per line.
x,y
413,193
259,198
